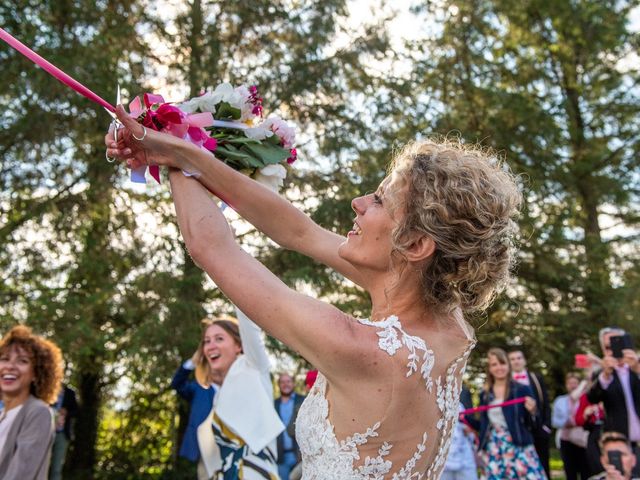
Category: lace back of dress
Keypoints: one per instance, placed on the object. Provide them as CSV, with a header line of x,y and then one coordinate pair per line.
x,y
410,440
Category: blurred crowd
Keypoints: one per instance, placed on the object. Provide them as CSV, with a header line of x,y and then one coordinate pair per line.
x,y
596,422
507,433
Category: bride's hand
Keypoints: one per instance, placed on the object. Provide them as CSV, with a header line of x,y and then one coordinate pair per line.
x,y
138,146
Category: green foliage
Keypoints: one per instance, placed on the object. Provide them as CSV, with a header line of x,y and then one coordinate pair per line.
x,y
552,86
138,442
227,112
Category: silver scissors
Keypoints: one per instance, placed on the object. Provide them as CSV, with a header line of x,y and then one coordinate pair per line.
x,y
115,122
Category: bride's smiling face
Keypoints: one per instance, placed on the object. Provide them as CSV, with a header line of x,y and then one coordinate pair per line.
x,y
369,243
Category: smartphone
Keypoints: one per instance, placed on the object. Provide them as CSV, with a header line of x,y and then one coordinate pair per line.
x,y
619,343
615,459
582,360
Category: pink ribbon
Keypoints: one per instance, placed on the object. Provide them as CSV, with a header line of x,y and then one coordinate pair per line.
x,y
166,117
484,408
55,71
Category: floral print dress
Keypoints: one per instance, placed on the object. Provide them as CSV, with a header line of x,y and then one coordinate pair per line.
x,y
504,460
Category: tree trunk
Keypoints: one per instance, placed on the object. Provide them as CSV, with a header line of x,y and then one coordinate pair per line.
x,y
82,458
597,287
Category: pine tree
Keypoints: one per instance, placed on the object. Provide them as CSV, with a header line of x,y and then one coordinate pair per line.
x,y
552,86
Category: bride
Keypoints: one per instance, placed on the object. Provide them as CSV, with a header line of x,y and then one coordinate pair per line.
x,y
433,242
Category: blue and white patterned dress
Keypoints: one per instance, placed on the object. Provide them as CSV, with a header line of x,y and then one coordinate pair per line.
x,y
239,461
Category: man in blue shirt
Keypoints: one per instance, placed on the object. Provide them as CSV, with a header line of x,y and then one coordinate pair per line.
x,y
288,403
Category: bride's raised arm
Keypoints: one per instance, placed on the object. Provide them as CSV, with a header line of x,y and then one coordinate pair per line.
x,y
319,331
265,209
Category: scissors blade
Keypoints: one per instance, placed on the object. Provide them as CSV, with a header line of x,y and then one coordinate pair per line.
x,y
116,123
113,115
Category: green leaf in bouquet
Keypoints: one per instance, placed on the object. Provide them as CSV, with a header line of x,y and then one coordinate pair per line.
x,y
244,158
268,153
241,141
225,111
273,140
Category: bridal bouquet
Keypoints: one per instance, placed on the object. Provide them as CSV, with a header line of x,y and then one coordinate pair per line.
x,y
229,122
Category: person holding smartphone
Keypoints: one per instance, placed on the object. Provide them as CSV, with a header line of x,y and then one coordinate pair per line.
x,y
617,458
618,387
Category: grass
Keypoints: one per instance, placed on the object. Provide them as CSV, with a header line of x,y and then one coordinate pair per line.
x,y
557,469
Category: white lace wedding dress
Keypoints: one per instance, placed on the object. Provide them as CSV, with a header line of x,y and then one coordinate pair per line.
x,y
420,404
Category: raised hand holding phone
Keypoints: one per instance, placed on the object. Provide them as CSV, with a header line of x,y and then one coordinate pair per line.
x,y
619,343
615,460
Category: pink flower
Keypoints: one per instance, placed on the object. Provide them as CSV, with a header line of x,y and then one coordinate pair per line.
x,y
256,100
151,99
169,114
282,129
293,157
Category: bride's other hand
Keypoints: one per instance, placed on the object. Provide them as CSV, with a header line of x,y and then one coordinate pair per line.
x,y
138,146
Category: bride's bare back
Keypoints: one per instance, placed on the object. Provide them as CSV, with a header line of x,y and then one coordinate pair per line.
x,y
396,423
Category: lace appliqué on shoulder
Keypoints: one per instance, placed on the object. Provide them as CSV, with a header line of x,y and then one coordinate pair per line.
x,y
388,330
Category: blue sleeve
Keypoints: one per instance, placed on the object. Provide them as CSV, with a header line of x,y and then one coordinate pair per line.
x,y
474,420
560,413
523,390
181,383
532,421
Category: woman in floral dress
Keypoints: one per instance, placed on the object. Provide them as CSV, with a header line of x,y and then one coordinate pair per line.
x,y
506,443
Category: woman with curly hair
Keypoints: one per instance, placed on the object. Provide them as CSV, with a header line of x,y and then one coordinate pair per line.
x,y
30,376
432,243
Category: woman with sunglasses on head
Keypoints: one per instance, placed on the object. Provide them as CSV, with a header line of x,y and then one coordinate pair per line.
x,y
30,376
433,242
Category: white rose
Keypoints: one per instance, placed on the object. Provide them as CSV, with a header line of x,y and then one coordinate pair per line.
x,y
272,176
258,133
205,103
222,93
188,107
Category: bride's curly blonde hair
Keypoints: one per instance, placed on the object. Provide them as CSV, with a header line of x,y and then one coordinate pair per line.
x,y
466,200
